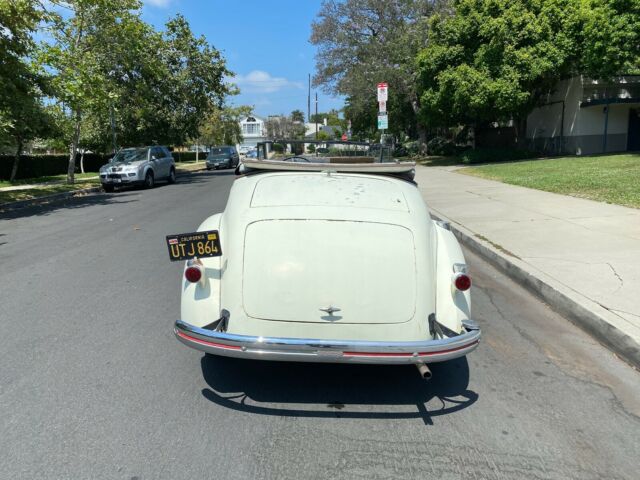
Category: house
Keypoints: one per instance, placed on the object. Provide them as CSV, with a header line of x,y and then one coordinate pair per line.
x,y
311,128
253,131
585,116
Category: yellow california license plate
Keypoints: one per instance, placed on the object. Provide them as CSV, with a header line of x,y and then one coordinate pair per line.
x,y
194,245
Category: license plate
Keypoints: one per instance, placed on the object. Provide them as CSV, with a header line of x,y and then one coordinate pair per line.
x,y
117,180
194,245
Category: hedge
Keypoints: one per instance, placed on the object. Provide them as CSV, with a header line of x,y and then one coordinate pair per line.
x,y
34,166
505,154
188,156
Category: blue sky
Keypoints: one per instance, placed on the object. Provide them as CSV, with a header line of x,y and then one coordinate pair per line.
x,y
265,42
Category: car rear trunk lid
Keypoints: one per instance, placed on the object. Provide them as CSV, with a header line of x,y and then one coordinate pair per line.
x,y
329,271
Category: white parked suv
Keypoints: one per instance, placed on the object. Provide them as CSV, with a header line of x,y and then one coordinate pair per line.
x,y
138,166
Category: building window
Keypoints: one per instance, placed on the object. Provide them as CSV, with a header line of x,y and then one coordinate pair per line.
x,y
251,128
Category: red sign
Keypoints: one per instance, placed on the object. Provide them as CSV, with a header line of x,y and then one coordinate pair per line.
x,y
344,137
383,89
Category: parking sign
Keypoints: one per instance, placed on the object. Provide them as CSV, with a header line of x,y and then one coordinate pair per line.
x,y
383,121
383,90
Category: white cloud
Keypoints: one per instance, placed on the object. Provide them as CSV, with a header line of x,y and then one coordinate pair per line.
x,y
258,81
158,3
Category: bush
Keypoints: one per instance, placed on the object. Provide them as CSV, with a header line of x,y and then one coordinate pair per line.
x,y
504,154
441,146
311,148
187,156
34,166
400,151
412,148
277,148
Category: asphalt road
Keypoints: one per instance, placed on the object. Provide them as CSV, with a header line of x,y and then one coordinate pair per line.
x,y
93,385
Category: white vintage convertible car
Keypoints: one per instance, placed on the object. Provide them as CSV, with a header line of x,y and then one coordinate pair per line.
x,y
323,262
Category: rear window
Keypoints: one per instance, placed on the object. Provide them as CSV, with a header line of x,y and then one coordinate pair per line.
x,y
219,150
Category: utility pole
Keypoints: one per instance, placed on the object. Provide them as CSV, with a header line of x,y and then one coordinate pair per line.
x,y
309,101
113,127
316,115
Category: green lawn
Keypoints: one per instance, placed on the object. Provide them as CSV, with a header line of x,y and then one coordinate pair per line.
x,y
30,193
606,178
53,178
189,166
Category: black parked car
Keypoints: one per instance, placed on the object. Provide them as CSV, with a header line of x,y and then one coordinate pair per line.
x,y
222,157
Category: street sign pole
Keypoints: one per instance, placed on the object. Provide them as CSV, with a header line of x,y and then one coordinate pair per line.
x,y
383,119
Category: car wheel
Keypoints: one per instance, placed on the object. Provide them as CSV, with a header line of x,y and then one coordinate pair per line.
x,y
108,188
149,181
172,175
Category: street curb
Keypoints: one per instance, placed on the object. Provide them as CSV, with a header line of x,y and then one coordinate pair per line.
x,y
64,195
588,315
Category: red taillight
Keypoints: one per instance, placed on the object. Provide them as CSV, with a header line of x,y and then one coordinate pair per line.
x,y
193,273
462,281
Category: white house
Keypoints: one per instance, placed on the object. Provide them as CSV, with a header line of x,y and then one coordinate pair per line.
x,y
253,131
585,116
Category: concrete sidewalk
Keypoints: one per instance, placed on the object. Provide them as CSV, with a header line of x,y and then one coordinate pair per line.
x,y
589,250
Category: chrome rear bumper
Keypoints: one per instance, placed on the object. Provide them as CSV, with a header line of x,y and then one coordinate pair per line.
x,y
334,351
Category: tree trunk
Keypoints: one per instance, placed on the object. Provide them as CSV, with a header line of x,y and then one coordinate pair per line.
x,y
73,150
16,161
422,130
82,160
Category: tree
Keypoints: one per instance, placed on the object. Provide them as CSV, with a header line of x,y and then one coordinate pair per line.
x,y
22,116
283,127
333,118
363,42
111,67
221,126
195,83
297,116
78,55
493,59
322,135
611,33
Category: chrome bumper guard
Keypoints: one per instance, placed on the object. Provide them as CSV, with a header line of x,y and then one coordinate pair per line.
x,y
333,351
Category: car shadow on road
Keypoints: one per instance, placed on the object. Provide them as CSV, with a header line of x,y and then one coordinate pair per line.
x,y
79,201
337,390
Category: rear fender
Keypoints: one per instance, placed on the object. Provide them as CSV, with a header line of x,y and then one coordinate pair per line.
x,y
200,302
452,306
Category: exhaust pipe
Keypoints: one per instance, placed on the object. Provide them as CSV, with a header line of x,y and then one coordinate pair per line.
x,y
424,371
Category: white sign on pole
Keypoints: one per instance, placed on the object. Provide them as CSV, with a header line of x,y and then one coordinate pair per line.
x,y
383,121
382,106
383,90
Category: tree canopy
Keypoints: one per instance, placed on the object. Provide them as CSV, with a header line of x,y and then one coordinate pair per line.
x,y
115,80
493,59
221,126
364,42
22,114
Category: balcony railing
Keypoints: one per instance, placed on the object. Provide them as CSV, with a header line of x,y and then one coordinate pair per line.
x,y
620,90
